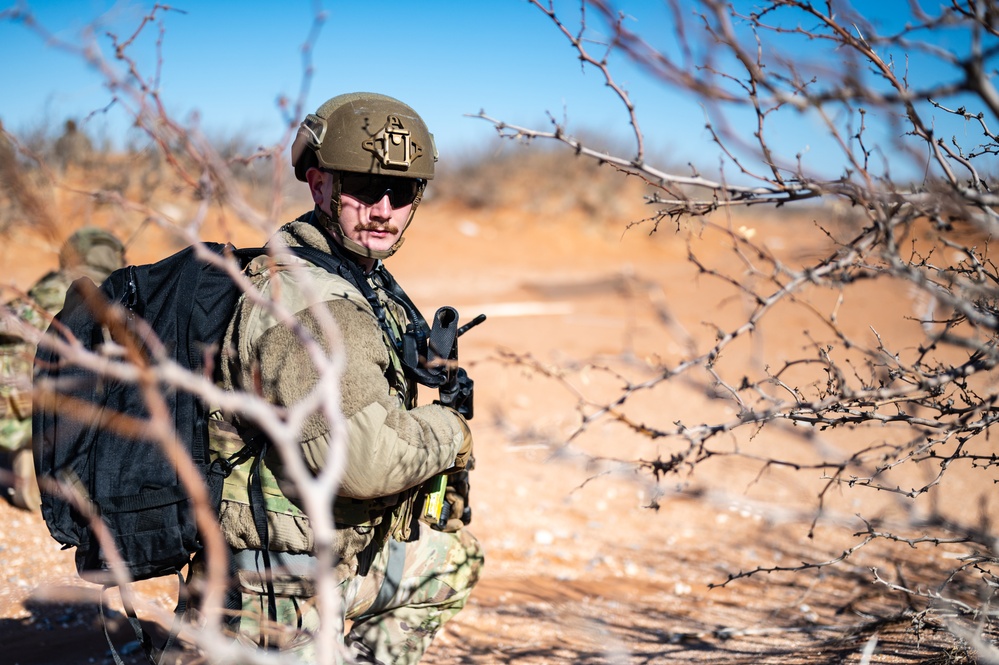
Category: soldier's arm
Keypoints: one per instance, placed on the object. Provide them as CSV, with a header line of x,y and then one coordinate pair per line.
x,y
389,448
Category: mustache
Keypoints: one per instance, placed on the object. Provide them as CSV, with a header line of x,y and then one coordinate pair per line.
x,y
376,226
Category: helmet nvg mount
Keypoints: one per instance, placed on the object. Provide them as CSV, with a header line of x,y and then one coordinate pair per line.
x,y
364,132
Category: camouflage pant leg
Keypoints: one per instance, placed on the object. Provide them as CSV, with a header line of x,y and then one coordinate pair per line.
x,y
15,441
15,394
296,618
297,623
15,434
395,622
429,581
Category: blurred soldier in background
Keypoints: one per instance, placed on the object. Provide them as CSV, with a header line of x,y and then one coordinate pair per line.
x,y
6,149
73,147
89,252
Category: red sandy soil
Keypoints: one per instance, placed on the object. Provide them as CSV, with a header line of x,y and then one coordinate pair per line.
x,y
579,568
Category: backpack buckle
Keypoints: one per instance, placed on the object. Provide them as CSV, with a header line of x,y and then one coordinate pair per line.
x,y
222,467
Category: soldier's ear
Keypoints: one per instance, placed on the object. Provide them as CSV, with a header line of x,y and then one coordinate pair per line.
x,y
317,181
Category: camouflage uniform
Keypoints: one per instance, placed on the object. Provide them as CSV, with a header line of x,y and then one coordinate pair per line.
x,y
16,355
89,252
73,147
399,580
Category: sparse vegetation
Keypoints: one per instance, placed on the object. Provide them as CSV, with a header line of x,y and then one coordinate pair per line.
x,y
847,351
892,418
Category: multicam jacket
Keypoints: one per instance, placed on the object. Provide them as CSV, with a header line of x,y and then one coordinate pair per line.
x,y
17,351
393,446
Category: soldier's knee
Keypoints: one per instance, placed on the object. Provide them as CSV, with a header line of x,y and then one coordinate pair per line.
x,y
473,549
467,558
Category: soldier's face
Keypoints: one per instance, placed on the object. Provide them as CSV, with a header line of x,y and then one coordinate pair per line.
x,y
368,215
373,209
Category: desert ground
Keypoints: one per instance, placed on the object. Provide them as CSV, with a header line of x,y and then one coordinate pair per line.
x,y
589,559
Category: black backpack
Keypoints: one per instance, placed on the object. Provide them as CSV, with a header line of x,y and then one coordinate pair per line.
x,y
81,418
175,309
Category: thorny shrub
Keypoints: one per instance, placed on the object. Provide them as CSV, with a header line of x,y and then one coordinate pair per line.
x,y
886,421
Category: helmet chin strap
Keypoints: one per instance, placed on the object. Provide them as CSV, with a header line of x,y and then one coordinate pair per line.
x,y
333,224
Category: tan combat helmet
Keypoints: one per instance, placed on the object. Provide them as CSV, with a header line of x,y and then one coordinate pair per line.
x,y
364,132
92,252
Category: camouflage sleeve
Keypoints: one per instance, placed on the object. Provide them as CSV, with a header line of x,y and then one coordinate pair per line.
x,y
389,448
50,291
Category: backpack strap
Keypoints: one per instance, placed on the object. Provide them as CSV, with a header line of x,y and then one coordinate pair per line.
x,y
412,348
258,508
133,620
153,654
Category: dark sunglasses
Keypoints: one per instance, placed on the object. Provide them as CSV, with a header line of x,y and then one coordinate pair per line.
x,y
369,189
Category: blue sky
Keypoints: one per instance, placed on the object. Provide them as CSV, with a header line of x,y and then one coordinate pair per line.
x,y
230,62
